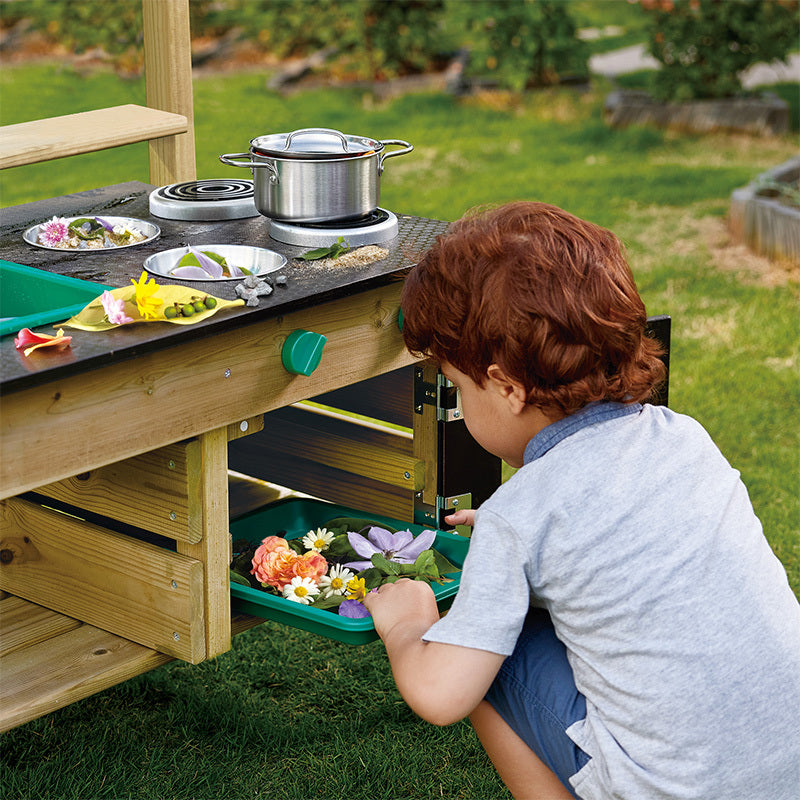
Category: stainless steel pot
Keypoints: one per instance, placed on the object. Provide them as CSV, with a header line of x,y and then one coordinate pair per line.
x,y
316,174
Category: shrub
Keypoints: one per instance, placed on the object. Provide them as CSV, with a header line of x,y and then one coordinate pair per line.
x,y
703,45
521,43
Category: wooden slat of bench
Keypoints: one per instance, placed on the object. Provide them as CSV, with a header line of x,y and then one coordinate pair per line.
x,y
48,660
85,132
24,624
50,674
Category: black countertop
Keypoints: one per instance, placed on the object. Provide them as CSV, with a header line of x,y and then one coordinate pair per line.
x,y
307,283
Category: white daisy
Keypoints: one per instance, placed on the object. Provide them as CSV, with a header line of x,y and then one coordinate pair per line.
x,y
301,590
335,582
318,540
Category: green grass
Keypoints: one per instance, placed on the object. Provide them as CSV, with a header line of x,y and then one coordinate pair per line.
x,y
287,714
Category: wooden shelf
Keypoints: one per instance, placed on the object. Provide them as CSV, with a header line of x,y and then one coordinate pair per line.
x,y
73,134
49,660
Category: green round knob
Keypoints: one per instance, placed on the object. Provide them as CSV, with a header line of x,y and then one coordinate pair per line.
x,y
302,351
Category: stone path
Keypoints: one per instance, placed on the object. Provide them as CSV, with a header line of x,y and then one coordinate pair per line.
x,y
635,57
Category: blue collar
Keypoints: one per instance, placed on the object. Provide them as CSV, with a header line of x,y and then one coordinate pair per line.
x,y
590,414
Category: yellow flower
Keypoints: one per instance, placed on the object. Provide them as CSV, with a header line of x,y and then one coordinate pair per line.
x,y
146,300
356,589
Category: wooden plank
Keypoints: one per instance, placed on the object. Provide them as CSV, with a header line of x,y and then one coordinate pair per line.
x,y
51,674
37,424
325,482
168,85
245,427
389,398
380,454
158,491
25,624
246,493
84,132
214,548
131,588
426,438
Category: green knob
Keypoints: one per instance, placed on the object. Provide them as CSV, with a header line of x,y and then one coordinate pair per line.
x,y
302,351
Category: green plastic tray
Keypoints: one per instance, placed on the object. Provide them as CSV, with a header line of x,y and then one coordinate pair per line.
x,y
31,297
294,517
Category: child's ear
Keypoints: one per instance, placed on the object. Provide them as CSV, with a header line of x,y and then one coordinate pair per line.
x,y
509,389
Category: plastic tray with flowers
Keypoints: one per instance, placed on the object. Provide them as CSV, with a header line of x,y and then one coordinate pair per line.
x,y
308,564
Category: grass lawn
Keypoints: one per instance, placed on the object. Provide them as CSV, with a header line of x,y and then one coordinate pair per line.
x,y
287,714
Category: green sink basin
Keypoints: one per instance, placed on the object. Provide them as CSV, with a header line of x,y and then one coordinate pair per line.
x,y
31,297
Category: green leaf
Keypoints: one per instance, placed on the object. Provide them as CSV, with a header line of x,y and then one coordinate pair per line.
x,y
328,603
385,566
96,230
373,577
335,250
443,564
237,578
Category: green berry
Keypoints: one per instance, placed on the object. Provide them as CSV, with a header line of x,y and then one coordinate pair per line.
x,y
170,312
210,302
187,310
199,306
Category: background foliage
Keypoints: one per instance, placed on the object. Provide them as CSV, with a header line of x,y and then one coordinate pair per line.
x,y
704,44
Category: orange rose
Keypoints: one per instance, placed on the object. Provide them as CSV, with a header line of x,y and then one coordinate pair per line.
x,y
311,565
273,562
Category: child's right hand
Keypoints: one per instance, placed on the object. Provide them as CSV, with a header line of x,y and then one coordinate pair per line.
x,y
464,516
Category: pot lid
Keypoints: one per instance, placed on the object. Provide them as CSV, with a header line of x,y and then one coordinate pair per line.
x,y
315,143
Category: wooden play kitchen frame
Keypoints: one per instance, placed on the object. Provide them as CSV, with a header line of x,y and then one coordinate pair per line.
x,y
114,520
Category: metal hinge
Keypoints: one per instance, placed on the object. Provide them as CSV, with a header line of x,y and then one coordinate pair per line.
x,y
434,515
443,395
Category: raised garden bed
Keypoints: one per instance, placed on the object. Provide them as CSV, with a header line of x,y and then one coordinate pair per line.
x,y
765,218
759,116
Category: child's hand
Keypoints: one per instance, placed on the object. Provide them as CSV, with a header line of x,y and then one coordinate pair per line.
x,y
464,516
404,602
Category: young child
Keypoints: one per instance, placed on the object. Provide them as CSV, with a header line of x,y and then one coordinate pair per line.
x,y
622,628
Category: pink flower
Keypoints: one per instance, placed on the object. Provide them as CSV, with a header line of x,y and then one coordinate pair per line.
x,y
53,232
114,308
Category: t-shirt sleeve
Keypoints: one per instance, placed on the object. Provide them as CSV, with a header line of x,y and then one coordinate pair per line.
x,y
493,597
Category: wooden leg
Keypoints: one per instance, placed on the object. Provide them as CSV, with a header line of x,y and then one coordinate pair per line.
x,y
214,547
526,777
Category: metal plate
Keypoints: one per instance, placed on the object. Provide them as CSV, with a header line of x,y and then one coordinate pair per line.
x,y
258,260
150,231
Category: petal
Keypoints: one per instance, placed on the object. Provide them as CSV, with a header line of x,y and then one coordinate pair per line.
x,y
357,566
383,541
206,263
33,341
422,542
27,337
198,273
361,545
353,609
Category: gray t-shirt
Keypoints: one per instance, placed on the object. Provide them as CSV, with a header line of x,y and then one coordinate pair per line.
x,y
629,526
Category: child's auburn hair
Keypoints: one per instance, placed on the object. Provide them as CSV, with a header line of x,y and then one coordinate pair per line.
x,y
545,295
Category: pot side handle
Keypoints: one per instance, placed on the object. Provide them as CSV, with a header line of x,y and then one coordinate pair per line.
x,y
230,160
407,148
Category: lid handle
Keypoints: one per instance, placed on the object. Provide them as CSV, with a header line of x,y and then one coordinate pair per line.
x,y
302,131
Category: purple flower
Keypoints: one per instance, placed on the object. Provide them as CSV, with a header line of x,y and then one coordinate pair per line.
x,y
353,609
400,547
